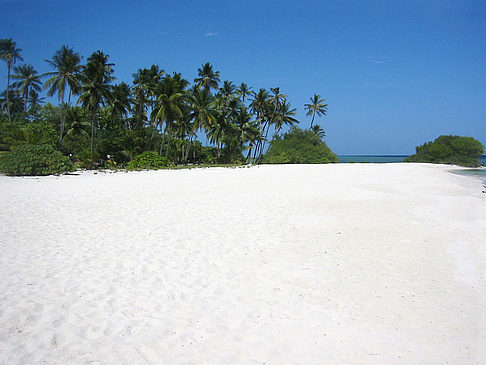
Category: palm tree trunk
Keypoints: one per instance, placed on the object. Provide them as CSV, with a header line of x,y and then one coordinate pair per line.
x,y
8,90
92,129
25,99
168,143
248,156
188,148
263,145
61,129
259,146
312,121
161,144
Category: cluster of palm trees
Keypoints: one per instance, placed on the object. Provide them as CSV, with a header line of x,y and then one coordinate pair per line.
x,y
231,117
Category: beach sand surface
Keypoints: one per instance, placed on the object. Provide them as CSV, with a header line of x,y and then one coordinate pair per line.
x,y
303,264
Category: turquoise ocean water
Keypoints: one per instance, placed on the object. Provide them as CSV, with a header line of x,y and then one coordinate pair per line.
x,y
380,158
370,158
479,173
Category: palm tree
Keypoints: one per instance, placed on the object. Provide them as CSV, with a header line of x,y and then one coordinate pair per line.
x,y
96,78
120,102
216,133
145,84
247,130
165,88
66,62
243,91
168,110
228,90
284,115
202,106
15,102
277,98
184,128
317,106
10,54
261,106
28,80
208,78
34,100
77,124
318,131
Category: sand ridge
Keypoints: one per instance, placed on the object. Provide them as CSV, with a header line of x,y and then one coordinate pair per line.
x,y
307,264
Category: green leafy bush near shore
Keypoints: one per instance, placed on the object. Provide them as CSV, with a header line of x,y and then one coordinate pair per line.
x,y
148,160
298,146
34,160
462,151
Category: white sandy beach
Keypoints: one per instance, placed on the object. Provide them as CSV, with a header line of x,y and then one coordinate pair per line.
x,y
308,264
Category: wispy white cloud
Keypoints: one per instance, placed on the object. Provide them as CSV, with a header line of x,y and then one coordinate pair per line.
x,y
376,62
211,34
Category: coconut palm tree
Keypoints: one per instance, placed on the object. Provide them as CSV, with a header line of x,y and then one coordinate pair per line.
x,y
243,91
15,102
284,115
27,80
145,85
95,90
216,133
34,100
247,130
208,79
277,98
168,86
67,67
168,110
318,131
261,106
120,102
317,106
228,90
202,108
77,125
10,54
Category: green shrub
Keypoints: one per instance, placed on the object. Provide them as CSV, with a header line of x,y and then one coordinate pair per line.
x,y
86,159
462,151
34,160
148,160
298,146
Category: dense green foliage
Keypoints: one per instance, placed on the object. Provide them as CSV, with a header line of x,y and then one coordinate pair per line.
x,y
462,151
148,160
31,160
299,147
102,124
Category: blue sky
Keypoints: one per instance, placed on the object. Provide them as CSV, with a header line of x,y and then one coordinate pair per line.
x,y
395,74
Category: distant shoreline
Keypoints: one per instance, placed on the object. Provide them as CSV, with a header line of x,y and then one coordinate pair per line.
x,y
380,158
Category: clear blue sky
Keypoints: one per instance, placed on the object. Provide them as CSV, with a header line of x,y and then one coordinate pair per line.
x,y
394,73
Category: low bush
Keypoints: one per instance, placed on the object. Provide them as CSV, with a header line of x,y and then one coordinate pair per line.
x,y
148,160
86,159
34,160
462,151
299,146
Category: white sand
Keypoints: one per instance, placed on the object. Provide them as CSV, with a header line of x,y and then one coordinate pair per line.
x,y
334,264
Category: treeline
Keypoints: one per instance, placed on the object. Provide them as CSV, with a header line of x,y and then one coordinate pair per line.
x,y
101,122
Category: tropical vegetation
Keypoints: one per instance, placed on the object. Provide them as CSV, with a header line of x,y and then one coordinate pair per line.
x,y
457,150
299,146
100,122
35,160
